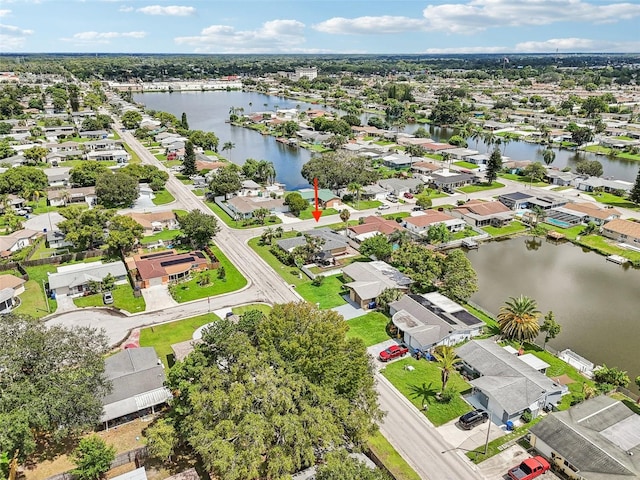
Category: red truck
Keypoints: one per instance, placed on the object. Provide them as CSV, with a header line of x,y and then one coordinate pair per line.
x,y
529,469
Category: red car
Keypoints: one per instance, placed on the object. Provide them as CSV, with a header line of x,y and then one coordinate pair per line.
x,y
394,351
529,469
408,195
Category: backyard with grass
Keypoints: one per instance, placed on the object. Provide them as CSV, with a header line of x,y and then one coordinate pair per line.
x,y
510,229
613,200
239,224
33,299
523,179
481,187
307,214
371,328
291,274
123,299
161,235
327,295
364,204
162,197
162,336
421,385
468,165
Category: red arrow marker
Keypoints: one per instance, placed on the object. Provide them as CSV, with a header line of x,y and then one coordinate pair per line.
x,y
316,213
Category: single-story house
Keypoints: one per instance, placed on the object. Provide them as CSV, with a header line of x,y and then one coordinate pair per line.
x,y
155,221
163,267
334,244
591,184
137,377
10,287
7,300
104,144
480,159
95,134
62,197
74,147
547,201
243,207
57,239
505,385
448,180
58,177
119,156
397,161
74,280
437,147
516,167
371,226
516,200
326,198
624,231
428,320
587,212
373,192
400,186
420,223
17,240
249,188
558,177
598,439
425,168
480,213
367,280
460,153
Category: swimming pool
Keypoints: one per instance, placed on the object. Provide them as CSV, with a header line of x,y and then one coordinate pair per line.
x,y
558,223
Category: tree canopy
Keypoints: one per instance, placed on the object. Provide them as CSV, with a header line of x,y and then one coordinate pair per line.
x,y
459,280
225,181
17,180
285,389
124,231
116,190
198,228
52,381
335,170
85,228
86,174
377,246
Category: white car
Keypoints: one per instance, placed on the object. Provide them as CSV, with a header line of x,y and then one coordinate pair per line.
x,y
384,207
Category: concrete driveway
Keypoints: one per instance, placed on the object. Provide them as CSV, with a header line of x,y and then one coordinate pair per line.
x,y
496,467
350,309
469,439
158,297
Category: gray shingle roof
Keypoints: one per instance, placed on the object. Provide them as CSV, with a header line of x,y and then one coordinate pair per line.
x,y
91,271
332,240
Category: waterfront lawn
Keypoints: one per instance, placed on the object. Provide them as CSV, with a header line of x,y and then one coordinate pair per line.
x,y
390,458
468,165
191,289
481,187
613,200
371,328
423,383
307,214
261,307
123,299
571,233
365,204
327,295
162,197
240,224
523,179
608,247
510,229
290,274
161,337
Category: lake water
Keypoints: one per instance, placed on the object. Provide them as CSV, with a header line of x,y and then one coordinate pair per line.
x,y
597,302
209,110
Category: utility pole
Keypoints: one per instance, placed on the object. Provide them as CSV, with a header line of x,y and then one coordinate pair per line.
x,y
486,443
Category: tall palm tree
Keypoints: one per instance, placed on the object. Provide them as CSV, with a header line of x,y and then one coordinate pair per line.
x,y
228,146
548,156
518,319
344,216
447,360
476,134
356,189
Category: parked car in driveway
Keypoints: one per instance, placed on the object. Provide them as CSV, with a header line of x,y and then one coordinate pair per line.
x,y
408,195
107,298
394,351
471,419
529,469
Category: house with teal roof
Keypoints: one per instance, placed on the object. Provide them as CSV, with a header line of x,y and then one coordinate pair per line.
x,y
326,198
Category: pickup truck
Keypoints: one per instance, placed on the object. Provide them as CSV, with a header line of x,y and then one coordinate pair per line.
x,y
529,469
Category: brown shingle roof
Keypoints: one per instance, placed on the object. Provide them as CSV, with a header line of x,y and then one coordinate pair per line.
x,y
376,224
484,208
10,281
592,210
428,218
624,227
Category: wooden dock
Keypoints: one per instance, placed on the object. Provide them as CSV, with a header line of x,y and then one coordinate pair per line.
x,y
553,235
470,244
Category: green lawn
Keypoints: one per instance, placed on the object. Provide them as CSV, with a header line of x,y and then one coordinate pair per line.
x,y
162,197
365,204
291,275
571,233
328,295
230,222
307,214
468,165
613,200
510,229
390,458
162,235
523,179
123,299
393,216
33,302
161,337
611,151
480,187
266,309
478,456
608,247
161,157
371,328
424,382
191,290
134,156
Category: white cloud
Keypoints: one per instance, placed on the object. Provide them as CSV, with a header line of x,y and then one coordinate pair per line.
x,y
102,37
13,38
273,36
4,13
577,45
172,10
454,50
386,24
478,15
125,9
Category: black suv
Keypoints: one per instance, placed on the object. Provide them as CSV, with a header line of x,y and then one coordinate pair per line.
x,y
471,419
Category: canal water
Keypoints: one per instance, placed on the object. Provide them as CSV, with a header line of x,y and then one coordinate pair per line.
x,y
209,110
597,302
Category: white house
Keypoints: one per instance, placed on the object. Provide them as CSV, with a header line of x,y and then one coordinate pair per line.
x,y
420,224
74,280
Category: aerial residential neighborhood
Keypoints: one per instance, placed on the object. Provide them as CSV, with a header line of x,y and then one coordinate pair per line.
x,y
408,269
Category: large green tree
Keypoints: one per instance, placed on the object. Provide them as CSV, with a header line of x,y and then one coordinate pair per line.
x,y
335,170
198,228
634,194
340,466
116,190
131,119
189,162
270,398
421,264
296,203
86,174
17,180
518,319
225,181
589,167
93,458
550,328
124,232
52,382
378,246
85,228
494,165
459,280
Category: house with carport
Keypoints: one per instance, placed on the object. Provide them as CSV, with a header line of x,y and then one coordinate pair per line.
x,y
155,221
400,186
431,319
504,384
598,439
334,245
367,280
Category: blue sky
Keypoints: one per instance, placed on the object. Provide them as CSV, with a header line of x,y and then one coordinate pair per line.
x,y
319,26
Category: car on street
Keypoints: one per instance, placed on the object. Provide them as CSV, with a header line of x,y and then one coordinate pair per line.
x,y
394,351
529,469
392,198
384,207
417,208
473,418
107,298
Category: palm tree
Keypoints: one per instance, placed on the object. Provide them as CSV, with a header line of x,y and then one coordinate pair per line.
x,y
476,135
548,156
278,232
267,235
344,216
518,319
228,146
356,189
447,360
